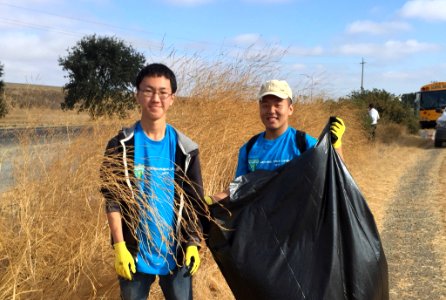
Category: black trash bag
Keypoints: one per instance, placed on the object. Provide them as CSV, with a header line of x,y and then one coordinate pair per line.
x,y
303,231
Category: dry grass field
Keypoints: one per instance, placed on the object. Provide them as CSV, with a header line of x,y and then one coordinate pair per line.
x,y
55,238
26,96
36,117
36,105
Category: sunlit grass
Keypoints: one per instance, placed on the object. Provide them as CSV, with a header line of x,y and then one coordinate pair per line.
x,y
55,238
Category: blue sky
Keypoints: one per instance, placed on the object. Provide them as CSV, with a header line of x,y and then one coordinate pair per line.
x,y
323,42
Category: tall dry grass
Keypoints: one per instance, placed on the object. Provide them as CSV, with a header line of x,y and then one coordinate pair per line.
x,y
55,237
55,241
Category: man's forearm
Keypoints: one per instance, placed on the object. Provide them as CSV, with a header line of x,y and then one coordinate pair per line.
x,y
115,224
220,196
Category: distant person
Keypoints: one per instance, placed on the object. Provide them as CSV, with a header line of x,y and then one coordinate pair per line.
x,y
279,143
146,212
374,117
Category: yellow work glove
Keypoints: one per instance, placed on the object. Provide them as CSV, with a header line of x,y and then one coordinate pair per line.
x,y
192,259
124,262
337,129
208,200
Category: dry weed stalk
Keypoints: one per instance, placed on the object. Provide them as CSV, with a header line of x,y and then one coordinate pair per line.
x,y
55,241
143,202
54,227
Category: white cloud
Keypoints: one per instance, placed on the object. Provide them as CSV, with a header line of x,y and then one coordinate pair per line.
x,y
298,67
430,10
376,28
260,50
31,42
398,75
303,51
408,47
29,47
247,39
390,49
19,18
33,58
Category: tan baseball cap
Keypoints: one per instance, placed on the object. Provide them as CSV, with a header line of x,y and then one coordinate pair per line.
x,y
278,88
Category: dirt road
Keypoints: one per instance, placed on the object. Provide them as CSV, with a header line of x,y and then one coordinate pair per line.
x,y
17,144
414,231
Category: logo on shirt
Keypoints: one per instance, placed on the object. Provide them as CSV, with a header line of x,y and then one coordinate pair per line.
x,y
253,162
139,171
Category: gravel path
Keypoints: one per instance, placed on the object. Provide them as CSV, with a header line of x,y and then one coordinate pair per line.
x,y
413,222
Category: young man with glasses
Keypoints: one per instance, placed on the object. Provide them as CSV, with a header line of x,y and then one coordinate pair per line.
x,y
151,177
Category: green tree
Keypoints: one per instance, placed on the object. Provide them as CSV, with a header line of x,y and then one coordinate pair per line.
x,y
101,73
3,106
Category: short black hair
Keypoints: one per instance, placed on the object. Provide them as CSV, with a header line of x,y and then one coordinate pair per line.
x,y
157,70
290,101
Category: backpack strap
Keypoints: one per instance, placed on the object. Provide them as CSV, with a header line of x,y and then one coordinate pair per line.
x,y
301,142
250,143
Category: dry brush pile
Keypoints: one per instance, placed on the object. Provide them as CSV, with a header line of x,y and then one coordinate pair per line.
x,y
55,238
55,241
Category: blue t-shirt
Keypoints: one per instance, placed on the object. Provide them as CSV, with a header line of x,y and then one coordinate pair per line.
x,y
271,154
154,170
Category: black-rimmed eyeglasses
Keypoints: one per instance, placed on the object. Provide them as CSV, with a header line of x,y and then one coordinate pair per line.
x,y
150,93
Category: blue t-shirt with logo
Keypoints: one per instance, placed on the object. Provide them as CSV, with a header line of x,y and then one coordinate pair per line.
x,y
154,170
271,154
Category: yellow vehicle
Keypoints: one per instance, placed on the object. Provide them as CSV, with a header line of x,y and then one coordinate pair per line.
x,y
430,101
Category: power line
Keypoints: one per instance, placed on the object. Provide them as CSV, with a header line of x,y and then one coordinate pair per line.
x,y
36,26
20,23
108,26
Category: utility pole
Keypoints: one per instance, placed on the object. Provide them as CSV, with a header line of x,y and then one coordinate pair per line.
x,y
362,74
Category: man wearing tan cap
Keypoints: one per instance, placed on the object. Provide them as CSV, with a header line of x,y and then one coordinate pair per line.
x,y
279,143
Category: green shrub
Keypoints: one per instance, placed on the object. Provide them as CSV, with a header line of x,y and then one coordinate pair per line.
x,y
390,107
